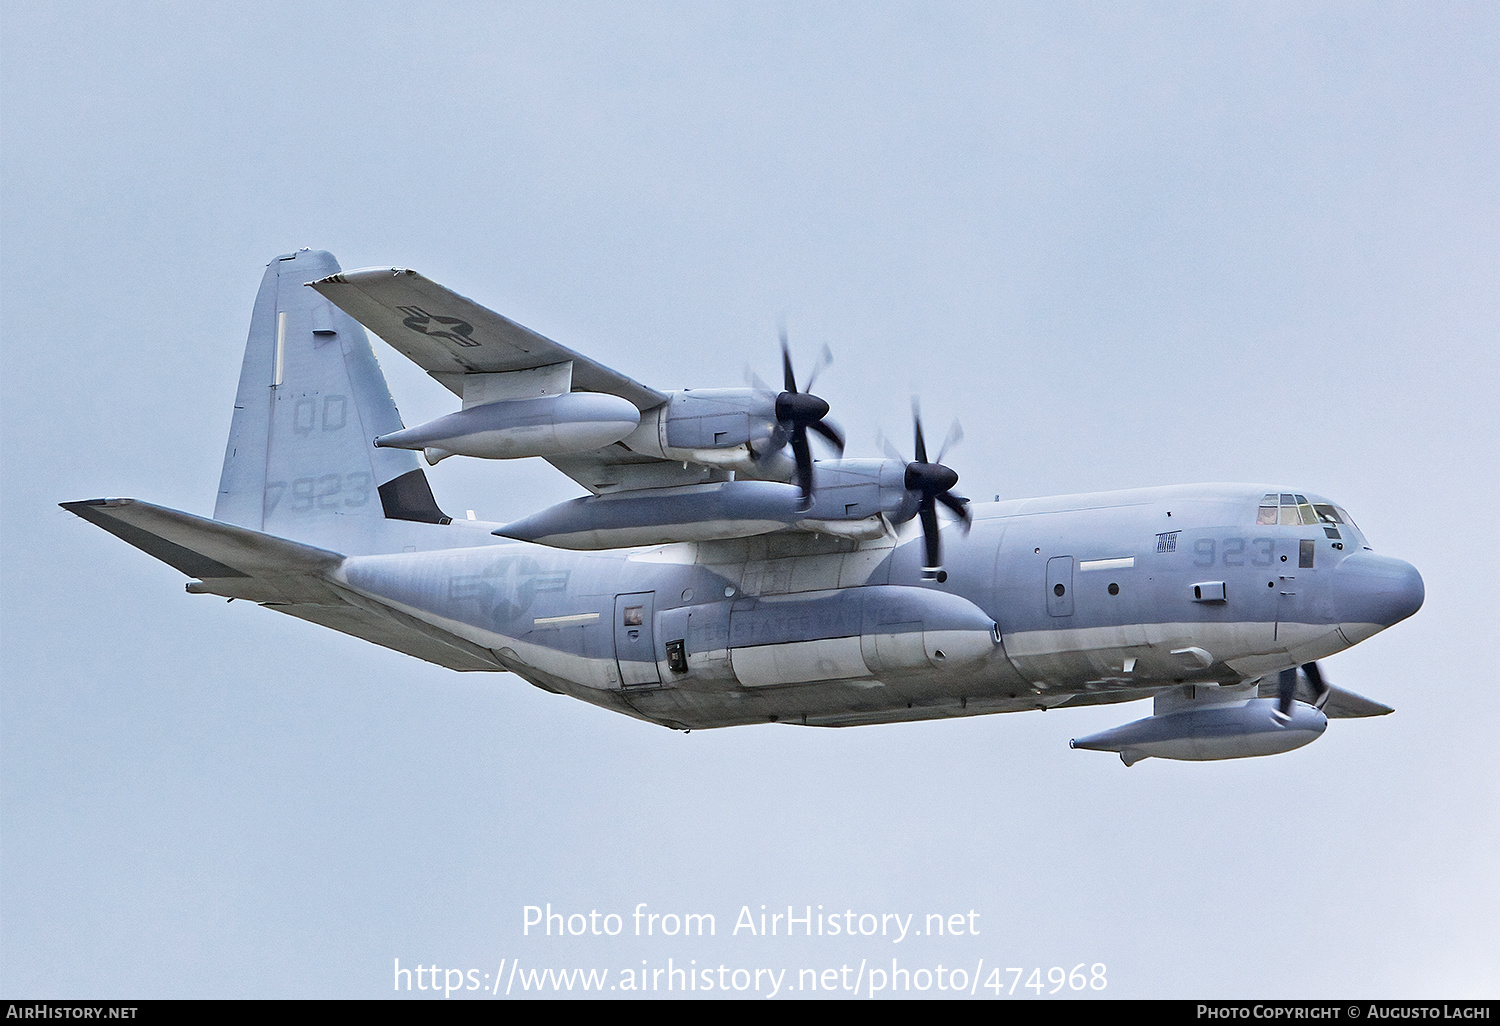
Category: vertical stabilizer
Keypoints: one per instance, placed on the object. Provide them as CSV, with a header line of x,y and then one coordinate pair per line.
x,y
300,462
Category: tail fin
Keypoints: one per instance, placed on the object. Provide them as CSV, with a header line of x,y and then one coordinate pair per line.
x,y
300,461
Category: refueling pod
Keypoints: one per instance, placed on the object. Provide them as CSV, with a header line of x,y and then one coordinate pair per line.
x,y
515,428
724,509
1221,725
853,499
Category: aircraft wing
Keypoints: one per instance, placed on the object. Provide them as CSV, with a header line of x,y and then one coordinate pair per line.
x,y
1339,705
449,336
287,576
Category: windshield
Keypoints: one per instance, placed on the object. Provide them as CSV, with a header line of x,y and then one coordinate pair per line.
x,y
1296,510
1286,508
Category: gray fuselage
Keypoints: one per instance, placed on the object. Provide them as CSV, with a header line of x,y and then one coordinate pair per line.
x,y
1071,600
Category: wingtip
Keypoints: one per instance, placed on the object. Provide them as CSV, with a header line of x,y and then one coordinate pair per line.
x,y
77,504
363,274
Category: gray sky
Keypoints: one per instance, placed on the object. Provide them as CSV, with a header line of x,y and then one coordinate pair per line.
x,y
1125,244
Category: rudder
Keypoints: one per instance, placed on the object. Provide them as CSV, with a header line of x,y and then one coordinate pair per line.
x,y
300,462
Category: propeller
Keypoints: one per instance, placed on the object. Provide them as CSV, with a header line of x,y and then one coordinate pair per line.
x,y
798,412
934,483
1286,691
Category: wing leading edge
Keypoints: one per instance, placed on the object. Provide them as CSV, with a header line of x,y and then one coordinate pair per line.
x,y
450,336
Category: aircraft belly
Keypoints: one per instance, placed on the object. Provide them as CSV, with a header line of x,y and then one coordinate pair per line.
x,y
1145,654
1167,652
563,653
1354,633
827,703
1295,644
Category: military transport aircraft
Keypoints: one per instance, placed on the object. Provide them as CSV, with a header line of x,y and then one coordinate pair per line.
x,y
711,578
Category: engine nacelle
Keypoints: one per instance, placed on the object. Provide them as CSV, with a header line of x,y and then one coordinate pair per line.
x,y
1235,731
850,490
720,418
516,428
732,428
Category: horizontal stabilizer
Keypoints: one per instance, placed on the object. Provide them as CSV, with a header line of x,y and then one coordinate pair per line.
x,y
283,575
202,548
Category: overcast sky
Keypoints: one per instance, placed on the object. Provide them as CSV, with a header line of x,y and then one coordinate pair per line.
x,y
1125,244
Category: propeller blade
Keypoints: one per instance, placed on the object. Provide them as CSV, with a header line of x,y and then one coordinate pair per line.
x,y
753,380
1286,694
934,546
1314,677
932,481
824,359
959,506
955,435
803,455
797,412
830,432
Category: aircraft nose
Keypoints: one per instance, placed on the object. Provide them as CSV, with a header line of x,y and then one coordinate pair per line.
x,y
1372,592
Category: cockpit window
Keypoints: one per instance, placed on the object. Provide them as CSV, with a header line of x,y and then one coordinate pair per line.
x,y
1288,509
1291,509
1285,508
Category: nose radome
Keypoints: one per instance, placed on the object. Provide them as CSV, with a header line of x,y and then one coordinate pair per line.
x,y
1372,592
